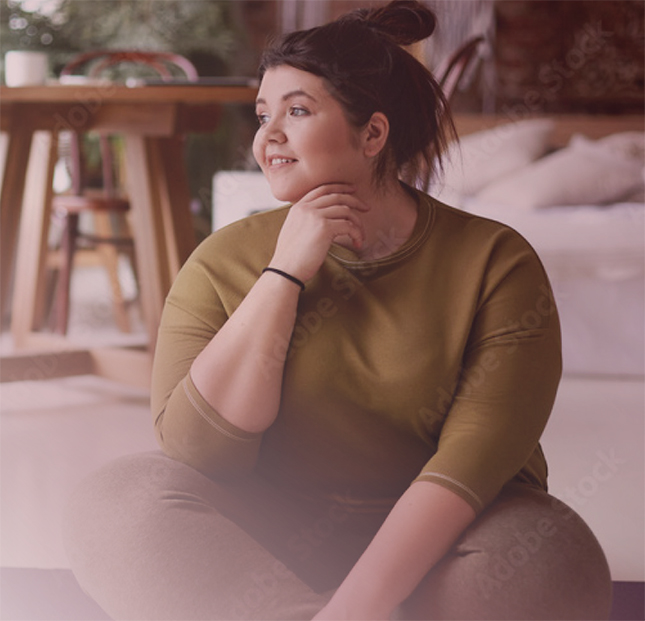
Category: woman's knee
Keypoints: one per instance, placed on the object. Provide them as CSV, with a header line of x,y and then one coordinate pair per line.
x,y
125,488
146,540
529,556
118,520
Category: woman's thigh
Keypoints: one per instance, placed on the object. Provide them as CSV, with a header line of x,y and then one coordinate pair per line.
x,y
528,556
146,538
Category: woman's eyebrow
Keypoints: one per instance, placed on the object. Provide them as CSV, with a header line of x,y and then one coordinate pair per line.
x,y
297,93
289,95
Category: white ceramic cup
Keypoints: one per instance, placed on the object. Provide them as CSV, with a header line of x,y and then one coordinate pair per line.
x,y
23,68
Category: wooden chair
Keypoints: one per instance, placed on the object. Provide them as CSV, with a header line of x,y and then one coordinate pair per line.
x,y
450,75
456,66
105,203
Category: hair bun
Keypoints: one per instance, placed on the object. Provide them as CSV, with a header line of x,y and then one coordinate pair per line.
x,y
404,21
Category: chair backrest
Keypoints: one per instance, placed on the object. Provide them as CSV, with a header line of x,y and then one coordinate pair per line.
x,y
449,75
94,63
456,65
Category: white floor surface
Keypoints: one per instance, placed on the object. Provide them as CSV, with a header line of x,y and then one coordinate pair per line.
x,y
53,434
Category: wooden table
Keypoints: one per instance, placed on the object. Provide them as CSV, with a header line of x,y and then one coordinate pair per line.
x,y
152,120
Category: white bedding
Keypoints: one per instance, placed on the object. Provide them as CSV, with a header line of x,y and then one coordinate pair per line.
x,y
595,258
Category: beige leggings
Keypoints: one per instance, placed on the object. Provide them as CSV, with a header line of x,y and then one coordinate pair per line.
x,y
150,538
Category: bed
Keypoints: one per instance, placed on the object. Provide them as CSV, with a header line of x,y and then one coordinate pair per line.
x,y
573,187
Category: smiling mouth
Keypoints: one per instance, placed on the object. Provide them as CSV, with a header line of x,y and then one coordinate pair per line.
x,y
276,161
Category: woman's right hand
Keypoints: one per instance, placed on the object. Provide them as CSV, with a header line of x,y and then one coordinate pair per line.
x,y
321,217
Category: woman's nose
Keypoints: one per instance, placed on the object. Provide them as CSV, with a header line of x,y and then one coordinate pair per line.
x,y
274,131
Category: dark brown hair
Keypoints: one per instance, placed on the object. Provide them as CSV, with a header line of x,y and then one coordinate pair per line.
x,y
365,68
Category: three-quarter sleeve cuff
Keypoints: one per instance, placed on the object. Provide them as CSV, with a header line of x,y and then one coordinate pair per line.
x,y
212,417
191,431
463,491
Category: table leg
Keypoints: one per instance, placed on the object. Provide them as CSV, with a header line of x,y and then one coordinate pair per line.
x,y
14,156
29,289
143,186
162,225
175,202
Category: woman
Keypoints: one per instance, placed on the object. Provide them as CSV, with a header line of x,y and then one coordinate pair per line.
x,y
349,391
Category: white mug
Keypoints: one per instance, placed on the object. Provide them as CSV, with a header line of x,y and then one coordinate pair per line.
x,y
23,68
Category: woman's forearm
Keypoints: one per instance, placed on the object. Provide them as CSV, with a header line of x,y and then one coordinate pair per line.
x,y
239,372
423,525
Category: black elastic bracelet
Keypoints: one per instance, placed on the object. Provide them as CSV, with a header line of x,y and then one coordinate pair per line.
x,y
285,275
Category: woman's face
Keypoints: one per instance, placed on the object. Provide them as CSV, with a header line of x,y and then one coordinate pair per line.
x,y
304,139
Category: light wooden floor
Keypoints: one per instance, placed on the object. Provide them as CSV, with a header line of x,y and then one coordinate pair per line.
x,y
53,433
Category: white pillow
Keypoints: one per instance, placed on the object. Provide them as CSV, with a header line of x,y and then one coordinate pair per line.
x,y
626,144
584,173
482,157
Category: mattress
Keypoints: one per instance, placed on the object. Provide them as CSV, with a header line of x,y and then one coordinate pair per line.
x,y
595,259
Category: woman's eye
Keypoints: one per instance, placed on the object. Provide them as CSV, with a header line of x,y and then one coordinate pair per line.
x,y
262,118
298,111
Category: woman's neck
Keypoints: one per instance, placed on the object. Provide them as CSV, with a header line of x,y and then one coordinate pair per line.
x,y
389,222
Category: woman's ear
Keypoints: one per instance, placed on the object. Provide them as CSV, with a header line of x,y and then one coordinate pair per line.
x,y
375,134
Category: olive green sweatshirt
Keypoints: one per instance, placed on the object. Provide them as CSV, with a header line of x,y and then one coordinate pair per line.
x,y
439,362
